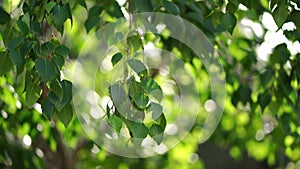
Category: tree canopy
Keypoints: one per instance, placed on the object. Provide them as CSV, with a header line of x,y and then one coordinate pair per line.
x,y
76,76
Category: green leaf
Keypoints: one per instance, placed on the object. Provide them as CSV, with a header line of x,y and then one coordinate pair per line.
x,y
56,87
138,95
228,21
156,132
82,3
60,14
67,94
280,14
45,69
138,130
135,42
152,88
59,61
32,93
162,121
66,115
5,63
23,27
116,58
49,6
95,11
171,7
156,110
47,108
91,22
144,5
115,38
244,94
264,99
62,50
4,16
119,98
14,43
138,67
17,59
115,122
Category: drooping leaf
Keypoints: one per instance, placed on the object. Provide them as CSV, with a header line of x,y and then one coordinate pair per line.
x,y
156,132
137,66
62,50
138,130
56,87
45,69
171,7
144,5
4,16
49,6
280,14
32,93
23,27
135,43
138,95
47,108
17,59
14,43
119,98
115,122
156,110
60,14
264,99
5,63
228,21
66,114
116,58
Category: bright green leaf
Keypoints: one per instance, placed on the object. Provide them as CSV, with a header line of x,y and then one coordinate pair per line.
x,y
49,6
115,122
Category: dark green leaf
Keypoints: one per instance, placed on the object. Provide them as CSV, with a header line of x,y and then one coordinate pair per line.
x,y
95,11
171,7
280,14
62,50
116,58
5,63
91,22
137,66
32,93
138,130
45,69
244,94
144,5
263,100
82,3
17,59
115,122
156,132
56,87
4,16
66,114
23,27
60,14
49,6
228,21
16,42
47,108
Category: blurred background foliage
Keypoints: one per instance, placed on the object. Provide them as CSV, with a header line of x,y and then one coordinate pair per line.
x,y
258,44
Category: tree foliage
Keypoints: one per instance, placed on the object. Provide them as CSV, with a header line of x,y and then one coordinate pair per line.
x,y
39,38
